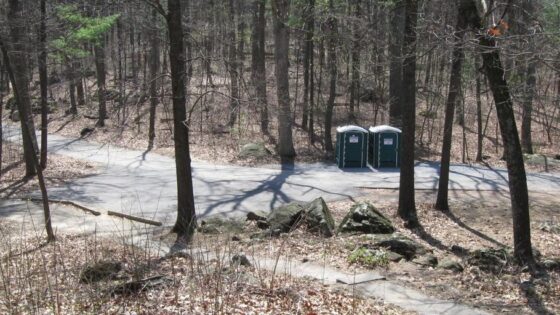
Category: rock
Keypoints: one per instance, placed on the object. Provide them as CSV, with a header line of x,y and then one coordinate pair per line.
x,y
318,217
101,270
402,245
218,224
86,131
235,238
240,260
551,264
256,216
427,260
394,257
452,265
15,116
285,218
254,150
364,218
459,250
489,259
557,157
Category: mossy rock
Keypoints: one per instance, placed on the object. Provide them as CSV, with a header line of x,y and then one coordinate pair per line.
x,y
219,224
254,150
318,217
402,245
490,259
285,218
363,217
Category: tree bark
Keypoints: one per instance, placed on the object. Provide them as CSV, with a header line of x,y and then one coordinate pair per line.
x,y
407,204
19,75
333,72
280,10
355,56
99,51
154,70
512,147
395,70
454,89
186,216
43,81
480,132
233,67
309,16
258,62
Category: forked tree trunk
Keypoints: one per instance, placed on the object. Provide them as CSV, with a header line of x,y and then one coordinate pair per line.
x,y
280,10
407,204
186,216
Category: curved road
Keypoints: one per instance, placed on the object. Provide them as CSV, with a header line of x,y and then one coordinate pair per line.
x,y
144,185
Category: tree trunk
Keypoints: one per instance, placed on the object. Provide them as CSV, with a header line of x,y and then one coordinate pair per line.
x,y
454,89
355,56
480,132
186,216
99,51
233,66
17,66
512,147
309,16
395,71
258,62
530,84
407,204
154,70
43,81
280,10
333,71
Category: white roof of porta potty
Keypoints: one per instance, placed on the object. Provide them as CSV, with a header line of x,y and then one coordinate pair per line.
x,y
350,128
384,128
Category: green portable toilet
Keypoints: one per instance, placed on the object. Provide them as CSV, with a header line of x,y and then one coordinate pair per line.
x,y
384,146
351,146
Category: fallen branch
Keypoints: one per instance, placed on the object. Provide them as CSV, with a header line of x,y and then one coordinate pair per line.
x,y
134,218
66,202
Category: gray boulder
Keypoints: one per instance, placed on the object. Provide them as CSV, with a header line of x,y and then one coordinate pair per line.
x,y
364,218
318,217
254,150
285,218
402,245
490,259
449,264
427,260
217,225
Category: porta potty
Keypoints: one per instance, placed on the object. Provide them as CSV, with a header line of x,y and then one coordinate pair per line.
x,y
384,146
351,146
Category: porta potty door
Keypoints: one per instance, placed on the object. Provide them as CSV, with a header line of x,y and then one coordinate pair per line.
x,y
354,149
388,149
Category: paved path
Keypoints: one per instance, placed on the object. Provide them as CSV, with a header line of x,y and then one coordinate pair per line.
x,y
141,184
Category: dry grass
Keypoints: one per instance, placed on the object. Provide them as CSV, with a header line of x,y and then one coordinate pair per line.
x,y
40,278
